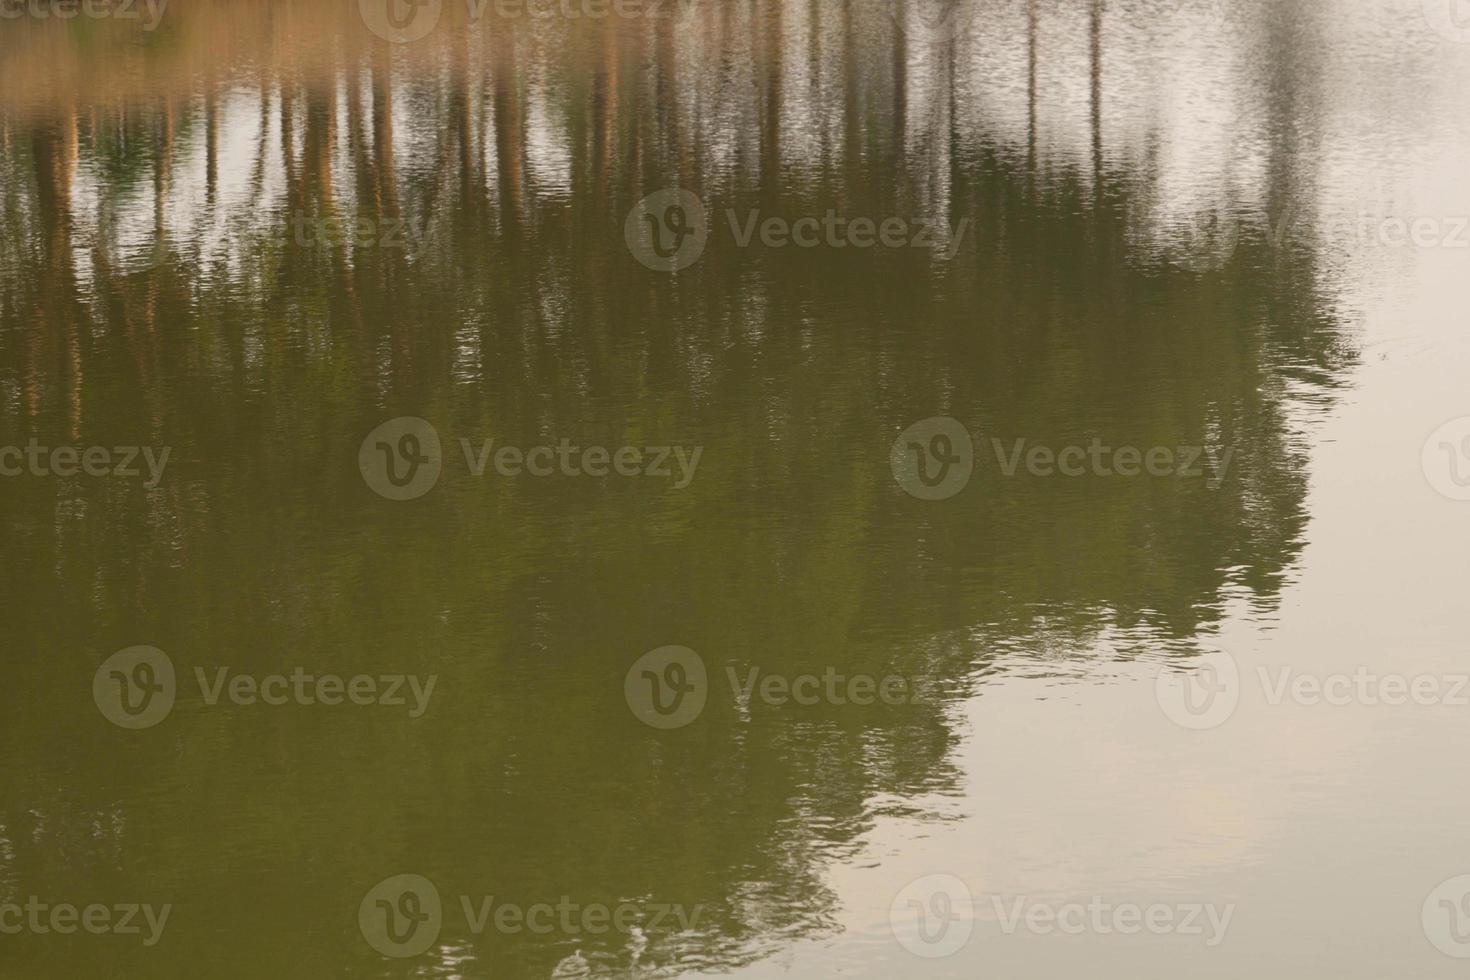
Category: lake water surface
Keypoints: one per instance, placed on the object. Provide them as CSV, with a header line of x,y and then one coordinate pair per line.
x,y
776,488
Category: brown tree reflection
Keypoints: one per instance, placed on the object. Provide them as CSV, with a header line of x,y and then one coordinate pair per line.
x,y
204,319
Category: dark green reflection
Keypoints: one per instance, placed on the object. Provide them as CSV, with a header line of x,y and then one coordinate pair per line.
x,y
262,357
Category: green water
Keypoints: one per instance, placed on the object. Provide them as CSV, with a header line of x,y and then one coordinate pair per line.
x,y
255,234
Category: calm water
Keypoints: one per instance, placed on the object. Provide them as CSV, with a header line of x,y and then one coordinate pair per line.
x,y
253,235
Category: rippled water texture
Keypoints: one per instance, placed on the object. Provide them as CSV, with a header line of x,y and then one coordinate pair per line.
x,y
765,488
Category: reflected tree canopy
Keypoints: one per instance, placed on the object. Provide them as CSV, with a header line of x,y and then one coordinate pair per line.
x,y
166,281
